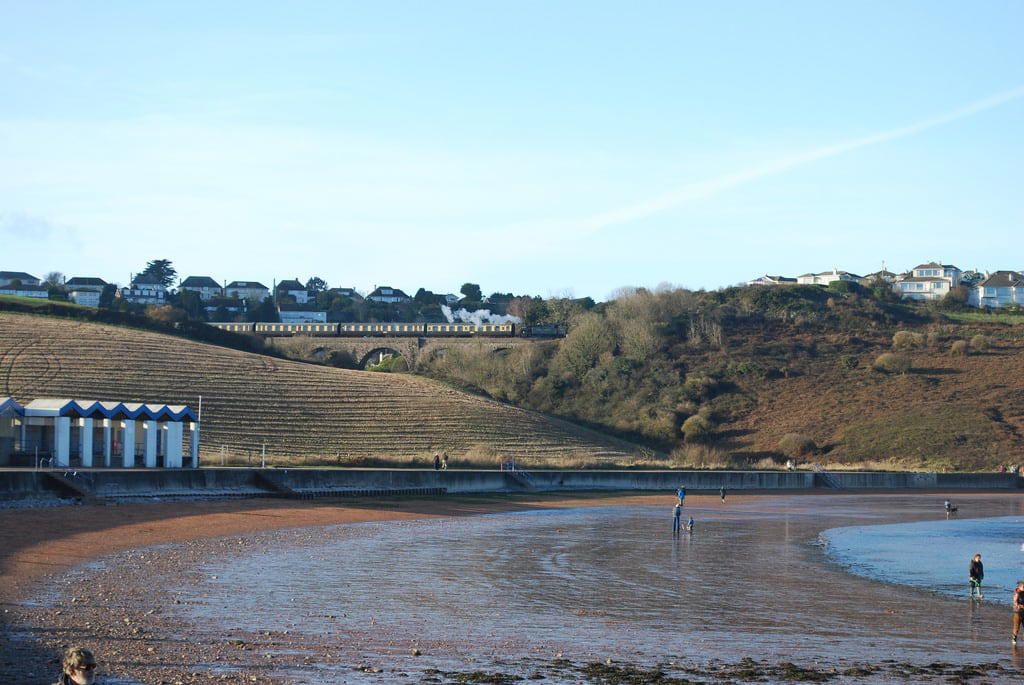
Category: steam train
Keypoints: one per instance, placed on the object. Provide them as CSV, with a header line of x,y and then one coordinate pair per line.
x,y
401,330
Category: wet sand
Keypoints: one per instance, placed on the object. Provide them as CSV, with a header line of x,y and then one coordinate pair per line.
x,y
125,609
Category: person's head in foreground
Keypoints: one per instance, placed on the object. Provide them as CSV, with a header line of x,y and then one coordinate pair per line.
x,y
79,666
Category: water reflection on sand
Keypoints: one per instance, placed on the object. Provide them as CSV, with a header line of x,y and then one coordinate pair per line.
x,y
609,582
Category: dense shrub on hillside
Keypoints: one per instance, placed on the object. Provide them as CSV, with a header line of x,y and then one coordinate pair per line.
x,y
697,428
958,348
906,340
892,363
979,343
794,445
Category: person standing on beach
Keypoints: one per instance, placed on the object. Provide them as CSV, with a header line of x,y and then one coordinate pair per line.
x,y
975,574
1018,609
721,493
677,512
78,667
681,494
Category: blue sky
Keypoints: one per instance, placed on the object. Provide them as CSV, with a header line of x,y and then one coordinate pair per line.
x,y
535,147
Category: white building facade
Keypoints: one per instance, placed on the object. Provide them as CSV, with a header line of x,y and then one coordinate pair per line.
x,y
1001,289
87,297
931,281
25,291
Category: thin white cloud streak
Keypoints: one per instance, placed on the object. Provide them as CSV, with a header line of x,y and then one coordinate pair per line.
x,y
703,189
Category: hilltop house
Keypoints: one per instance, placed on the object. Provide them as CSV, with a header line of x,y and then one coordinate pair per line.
x,y
388,295
291,288
145,289
85,290
206,287
826,277
252,291
771,280
1001,289
346,292
26,279
301,313
884,276
39,291
929,281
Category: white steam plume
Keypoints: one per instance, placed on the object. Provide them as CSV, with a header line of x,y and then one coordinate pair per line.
x,y
478,317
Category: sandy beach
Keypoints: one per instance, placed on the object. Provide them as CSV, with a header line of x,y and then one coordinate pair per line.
x,y
53,594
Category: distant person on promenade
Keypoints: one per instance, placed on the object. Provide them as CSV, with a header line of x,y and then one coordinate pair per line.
x,y
1018,609
721,493
437,462
681,494
677,512
444,461
78,667
975,574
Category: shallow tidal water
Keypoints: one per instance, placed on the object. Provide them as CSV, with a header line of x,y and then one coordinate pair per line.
x,y
935,555
768,578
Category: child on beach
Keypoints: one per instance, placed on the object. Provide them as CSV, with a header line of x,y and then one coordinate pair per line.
x,y
1018,609
975,574
689,525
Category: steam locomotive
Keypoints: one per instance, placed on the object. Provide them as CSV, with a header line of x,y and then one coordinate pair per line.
x,y
401,330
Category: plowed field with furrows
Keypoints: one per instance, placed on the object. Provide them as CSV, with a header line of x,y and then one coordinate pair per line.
x,y
299,410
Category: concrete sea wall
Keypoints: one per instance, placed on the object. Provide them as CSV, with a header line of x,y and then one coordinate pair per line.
x,y
100,485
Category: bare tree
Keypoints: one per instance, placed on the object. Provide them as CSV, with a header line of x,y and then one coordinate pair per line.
x,y
54,279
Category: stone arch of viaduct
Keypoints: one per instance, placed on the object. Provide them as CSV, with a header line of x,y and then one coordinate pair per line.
x,y
369,351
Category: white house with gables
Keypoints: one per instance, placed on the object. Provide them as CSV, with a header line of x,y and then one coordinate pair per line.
x,y
826,277
204,286
771,280
253,291
292,288
931,281
1001,289
145,289
388,295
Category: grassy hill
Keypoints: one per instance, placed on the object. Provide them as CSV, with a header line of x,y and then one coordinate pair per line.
x,y
303,412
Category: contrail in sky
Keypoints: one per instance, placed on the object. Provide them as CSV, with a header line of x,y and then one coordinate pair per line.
x,y
702,189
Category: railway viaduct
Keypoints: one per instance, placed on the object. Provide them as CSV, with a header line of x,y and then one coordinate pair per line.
x,y
370,351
